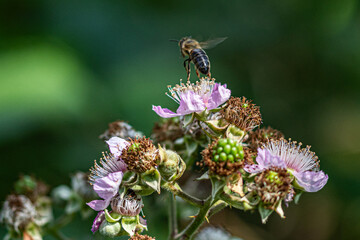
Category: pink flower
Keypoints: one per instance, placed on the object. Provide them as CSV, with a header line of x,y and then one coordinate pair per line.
x,y
106,177
301,162
191,98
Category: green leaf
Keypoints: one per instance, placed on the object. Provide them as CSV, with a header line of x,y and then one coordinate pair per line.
x,y
205,176
129,224
264,213
152,178
112,217
234,133
188,119
217,186
297,196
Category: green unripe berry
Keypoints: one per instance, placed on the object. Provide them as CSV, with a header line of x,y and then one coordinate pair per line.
x,y
219,149
231,142
223,156
222,142
216,158
234,151
230,158
227,149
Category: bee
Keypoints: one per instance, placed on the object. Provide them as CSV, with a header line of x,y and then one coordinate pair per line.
x,y
194,50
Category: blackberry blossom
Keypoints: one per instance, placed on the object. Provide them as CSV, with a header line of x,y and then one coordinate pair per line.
x,y
300,162
193,98
106,177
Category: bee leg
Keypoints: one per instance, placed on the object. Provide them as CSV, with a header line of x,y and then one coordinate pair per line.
x,y
209,75
187,67
197,73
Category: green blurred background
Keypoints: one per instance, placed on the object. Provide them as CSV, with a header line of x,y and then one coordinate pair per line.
x,y
68,68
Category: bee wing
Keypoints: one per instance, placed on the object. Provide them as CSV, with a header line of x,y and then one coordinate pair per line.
x,y
212,42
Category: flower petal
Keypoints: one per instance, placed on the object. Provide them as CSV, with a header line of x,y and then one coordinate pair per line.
x,y
108,186
99,205
311,181
266,160
100,217
116,145
252,168
190,102
164,112
219,95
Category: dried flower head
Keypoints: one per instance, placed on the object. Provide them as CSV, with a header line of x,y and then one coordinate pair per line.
x,y
223,157
141,237
242,113
272,185
167,130
204,94
263,135
31,187
301,162
120,129
140,155
17,212
130,205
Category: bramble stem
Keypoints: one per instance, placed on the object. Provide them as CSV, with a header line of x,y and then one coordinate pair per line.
x,y
217,207
173,229
176,190
190,230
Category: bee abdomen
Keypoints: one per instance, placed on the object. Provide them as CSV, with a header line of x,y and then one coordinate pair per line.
x,y
201,60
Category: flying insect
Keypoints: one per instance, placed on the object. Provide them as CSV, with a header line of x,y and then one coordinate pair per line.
x,y
194,50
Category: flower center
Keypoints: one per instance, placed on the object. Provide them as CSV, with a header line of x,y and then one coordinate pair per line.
x,y
203,88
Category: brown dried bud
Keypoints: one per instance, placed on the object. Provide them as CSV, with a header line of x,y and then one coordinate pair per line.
x,y
167,130
262,135
141,155
120,129
242,113
141,237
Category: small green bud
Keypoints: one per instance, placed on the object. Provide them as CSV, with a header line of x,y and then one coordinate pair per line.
x,y
110,229
171,165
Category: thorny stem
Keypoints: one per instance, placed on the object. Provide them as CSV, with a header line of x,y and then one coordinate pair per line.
x,y
176,190
217,207
173,230
189,231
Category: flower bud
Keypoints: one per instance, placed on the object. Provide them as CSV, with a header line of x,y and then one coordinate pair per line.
x,y
171,165
108,229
